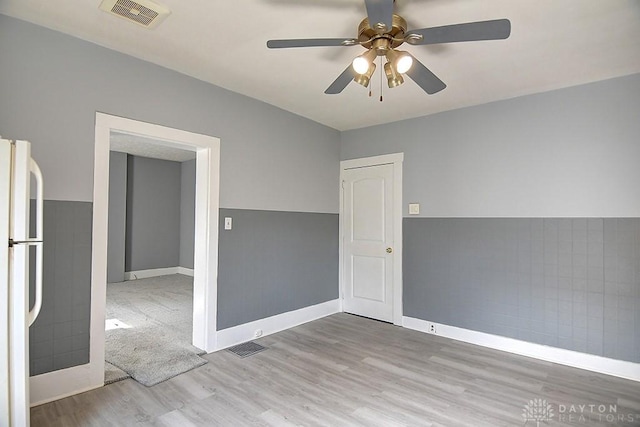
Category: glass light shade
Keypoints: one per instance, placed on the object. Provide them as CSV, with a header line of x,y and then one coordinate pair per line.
x,y
364,78
404,63
360,65
394,79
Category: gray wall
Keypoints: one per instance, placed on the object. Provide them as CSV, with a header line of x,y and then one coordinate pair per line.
x,y
569,283
187,212
117,216
270,159
153,214
568,153
488,252
273,262
59,338
143,244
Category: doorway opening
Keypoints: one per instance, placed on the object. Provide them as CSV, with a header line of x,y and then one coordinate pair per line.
x,y
149,303
205,152
66,382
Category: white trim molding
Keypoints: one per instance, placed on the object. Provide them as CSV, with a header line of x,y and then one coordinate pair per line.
x,y
157,272
63,383
384,159
270,325
396,159
207,149
589,362
145,274
185,271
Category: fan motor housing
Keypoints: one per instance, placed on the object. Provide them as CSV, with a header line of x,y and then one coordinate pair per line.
x,y
395,36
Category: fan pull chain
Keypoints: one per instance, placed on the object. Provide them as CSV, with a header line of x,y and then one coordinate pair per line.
x,y
380,72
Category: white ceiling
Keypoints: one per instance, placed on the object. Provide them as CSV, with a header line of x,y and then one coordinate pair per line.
x,y
148,147
553,44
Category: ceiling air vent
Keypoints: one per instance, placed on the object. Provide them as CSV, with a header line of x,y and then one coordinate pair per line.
x,y
142,12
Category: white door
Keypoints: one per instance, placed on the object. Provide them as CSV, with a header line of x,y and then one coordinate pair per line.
x,y
368,241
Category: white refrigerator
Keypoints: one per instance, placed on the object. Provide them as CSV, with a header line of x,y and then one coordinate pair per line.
x,y
16,169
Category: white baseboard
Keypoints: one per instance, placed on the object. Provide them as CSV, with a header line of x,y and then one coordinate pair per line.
x,y
270,325
590,362
63,383
185,271
155,272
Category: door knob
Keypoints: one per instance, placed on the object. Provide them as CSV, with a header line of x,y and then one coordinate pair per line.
x,y
389,250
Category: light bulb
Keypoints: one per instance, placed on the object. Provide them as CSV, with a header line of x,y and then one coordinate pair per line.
x,y
404,63
360,65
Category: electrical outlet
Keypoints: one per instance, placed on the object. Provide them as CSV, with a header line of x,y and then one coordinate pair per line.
x,y
432,328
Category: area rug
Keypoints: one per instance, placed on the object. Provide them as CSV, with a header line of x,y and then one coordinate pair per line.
x,y
113,374
151,328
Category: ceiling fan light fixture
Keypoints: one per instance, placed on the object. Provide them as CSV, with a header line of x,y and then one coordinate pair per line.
x,y
400,60
364,78
362,63
404,63
394,79
381,32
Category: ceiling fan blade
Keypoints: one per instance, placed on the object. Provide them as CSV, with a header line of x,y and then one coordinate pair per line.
x,y
497,29
279,44
341,82
428,81
380,12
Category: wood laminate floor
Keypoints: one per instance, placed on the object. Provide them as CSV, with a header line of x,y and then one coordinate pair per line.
x,y
345,370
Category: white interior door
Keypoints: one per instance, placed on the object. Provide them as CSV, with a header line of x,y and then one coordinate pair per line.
x,y
368,241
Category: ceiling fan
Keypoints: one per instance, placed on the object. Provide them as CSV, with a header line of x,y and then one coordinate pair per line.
x,y
382,32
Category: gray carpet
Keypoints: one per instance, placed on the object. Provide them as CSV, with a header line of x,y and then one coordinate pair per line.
x,y
113,374
159,311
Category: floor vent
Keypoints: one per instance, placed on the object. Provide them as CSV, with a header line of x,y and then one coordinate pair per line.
x,y
247,349
142,12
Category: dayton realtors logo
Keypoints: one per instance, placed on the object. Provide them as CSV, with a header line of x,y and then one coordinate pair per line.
x,y
595,412
541,411
537,410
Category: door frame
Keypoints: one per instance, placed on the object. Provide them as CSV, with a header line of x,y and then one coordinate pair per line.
x,y
395,159
70,381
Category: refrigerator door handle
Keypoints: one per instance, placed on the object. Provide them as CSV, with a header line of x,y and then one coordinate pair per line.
x,y
35,311
35,170
37,174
